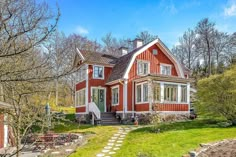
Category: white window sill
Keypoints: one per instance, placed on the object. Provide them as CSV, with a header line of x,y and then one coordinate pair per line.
x,y
114,104
98,78
80,106
144,102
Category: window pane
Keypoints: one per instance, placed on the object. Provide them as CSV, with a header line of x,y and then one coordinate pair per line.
x,y
138,95
183,93
156,91
115,96
145,92
170,92
98,72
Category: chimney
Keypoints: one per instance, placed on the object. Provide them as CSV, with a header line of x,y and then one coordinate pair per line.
x,y
123,50
137,43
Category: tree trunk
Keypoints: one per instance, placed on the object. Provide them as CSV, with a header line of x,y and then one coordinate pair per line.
x,y
209,57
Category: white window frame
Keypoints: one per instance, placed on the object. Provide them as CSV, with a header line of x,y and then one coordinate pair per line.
x,y
118,88
165,65
81,72
177,92
156,101
181,86
141,102
148,66
102,78
78,91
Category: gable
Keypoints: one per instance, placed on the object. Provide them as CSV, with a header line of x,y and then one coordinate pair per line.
x,y
163,49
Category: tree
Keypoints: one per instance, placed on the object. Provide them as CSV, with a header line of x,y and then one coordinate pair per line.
x,y
186,50
206,32
217,94
146,37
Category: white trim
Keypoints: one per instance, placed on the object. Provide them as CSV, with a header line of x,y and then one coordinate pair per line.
x,y
126,75
102,70
142,102
143,61
178,68
179,93
84,97
87,87
80,54
188,95
162,91
117,86
125,96
167,112
105,95
172,57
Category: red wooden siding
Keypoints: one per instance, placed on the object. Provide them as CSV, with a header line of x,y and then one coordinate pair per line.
x,y
80,109
171,107
119,107
80,85
155,61
1,131
142,107
100,83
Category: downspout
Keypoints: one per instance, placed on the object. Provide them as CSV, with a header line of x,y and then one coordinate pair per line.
x,y
133,99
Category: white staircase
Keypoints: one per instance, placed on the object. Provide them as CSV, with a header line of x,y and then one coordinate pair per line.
x,y
92,107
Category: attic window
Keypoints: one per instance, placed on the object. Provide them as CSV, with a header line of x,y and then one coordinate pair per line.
x,y
98,72
154,52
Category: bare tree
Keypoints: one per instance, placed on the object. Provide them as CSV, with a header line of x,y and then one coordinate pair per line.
x,y
146,36
206,32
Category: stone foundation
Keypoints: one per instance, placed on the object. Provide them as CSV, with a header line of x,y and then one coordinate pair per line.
x,y
83,118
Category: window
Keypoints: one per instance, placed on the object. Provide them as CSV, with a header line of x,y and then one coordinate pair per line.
x,y
154,52
156,92
183,93
143,67
166,69
98,72
81,74
115,95
142,93
170,92
80,97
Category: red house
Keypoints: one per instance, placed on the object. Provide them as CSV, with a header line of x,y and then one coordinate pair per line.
x,y
148,79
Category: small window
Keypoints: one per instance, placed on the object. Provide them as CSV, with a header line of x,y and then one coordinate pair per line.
x,y
98,72
139,93
143,68
115,96
166,69
154,52
183,93
80,97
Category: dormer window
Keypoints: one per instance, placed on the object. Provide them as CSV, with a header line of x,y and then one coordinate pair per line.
x,y
165,69
98,72
142,67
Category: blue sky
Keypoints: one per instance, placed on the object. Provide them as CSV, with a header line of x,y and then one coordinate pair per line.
x,y
125,18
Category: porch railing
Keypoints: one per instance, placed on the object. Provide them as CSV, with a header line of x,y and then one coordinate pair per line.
x,y
92,107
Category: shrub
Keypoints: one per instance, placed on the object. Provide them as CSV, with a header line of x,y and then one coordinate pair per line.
x,y
149,118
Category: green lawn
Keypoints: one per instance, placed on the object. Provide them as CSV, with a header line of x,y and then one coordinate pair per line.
x,y
175,139
97,136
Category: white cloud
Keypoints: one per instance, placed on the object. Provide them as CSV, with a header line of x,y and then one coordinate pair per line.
x,y
81,30
230,10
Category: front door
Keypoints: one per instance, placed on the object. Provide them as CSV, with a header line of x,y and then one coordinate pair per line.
x,y
98,97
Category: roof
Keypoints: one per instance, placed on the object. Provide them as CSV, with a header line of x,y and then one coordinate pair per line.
x,y
98,58
121,64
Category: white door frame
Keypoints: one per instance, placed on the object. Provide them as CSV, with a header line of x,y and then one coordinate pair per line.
x,y
105,95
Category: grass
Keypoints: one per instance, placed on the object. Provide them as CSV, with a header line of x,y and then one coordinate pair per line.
x,y
175,139
97,136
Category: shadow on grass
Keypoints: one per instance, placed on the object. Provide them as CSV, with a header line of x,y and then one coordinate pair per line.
x,y
195,124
